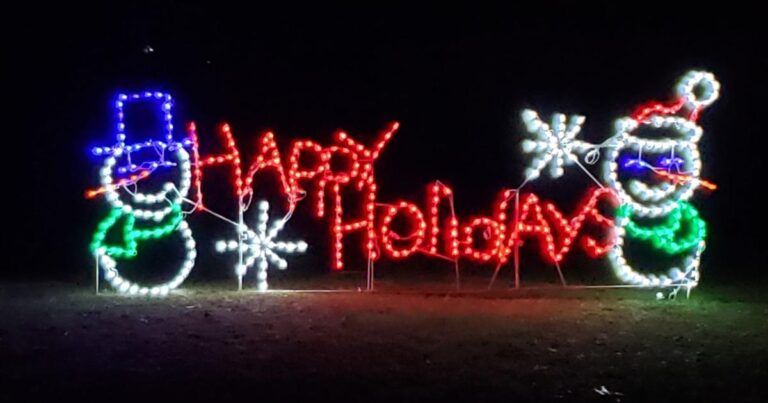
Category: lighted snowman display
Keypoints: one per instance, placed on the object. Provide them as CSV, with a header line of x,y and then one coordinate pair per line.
x,y
144,214
659,190
654,167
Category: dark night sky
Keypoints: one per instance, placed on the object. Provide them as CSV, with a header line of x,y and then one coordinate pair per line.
x,y
456,79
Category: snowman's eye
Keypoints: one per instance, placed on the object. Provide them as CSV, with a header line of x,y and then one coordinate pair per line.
x,y
633,164
668,162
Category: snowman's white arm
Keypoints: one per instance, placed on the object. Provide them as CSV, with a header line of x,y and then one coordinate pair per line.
x,y
592,151
198,206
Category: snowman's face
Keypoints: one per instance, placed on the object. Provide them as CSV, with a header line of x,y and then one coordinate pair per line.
x,y
636,167
150,198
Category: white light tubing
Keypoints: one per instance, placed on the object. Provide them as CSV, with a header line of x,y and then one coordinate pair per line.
x,y
261,248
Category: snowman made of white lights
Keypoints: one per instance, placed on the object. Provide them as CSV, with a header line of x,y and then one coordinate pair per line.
x,y
145,215
661,196
653,194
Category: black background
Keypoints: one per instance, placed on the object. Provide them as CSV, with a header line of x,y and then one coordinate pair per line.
x,y
455,77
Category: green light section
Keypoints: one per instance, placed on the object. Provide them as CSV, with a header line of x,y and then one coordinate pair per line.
x,y
664,236
131,235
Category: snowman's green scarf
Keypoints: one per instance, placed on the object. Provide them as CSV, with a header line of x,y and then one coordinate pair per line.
x,y
665,235
131,234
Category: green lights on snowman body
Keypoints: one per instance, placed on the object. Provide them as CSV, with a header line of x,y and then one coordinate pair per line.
x,y
152,216
123,285
686,274
131,235
682,231
159,224
666,236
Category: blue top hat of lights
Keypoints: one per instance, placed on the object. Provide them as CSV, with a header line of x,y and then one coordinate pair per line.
x,y
165,103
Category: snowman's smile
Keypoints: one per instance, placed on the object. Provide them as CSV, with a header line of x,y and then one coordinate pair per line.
x,y
650,193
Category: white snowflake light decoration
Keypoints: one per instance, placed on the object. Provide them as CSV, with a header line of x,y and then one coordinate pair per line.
x,y
261,247
554,145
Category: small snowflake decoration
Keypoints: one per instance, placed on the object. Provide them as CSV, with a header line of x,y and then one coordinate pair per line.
x,y
261,247
555,145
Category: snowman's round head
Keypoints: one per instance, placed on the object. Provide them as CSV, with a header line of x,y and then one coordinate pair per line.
x,y
655,162
149,198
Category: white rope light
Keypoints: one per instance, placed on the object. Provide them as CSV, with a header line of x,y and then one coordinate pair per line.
x,y
710,89
646,200
659,194
122,285
261,247
114,196
127,206
555,146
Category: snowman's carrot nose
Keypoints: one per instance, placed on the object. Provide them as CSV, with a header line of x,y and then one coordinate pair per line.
x,y
681,178
91,193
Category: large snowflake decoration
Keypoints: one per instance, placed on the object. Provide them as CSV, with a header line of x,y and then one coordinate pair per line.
x,y
554,145
261,247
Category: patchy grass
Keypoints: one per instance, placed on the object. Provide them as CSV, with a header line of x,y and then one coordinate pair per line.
x,y
414,345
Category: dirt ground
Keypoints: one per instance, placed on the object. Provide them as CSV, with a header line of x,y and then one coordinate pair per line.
x,y
205,344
